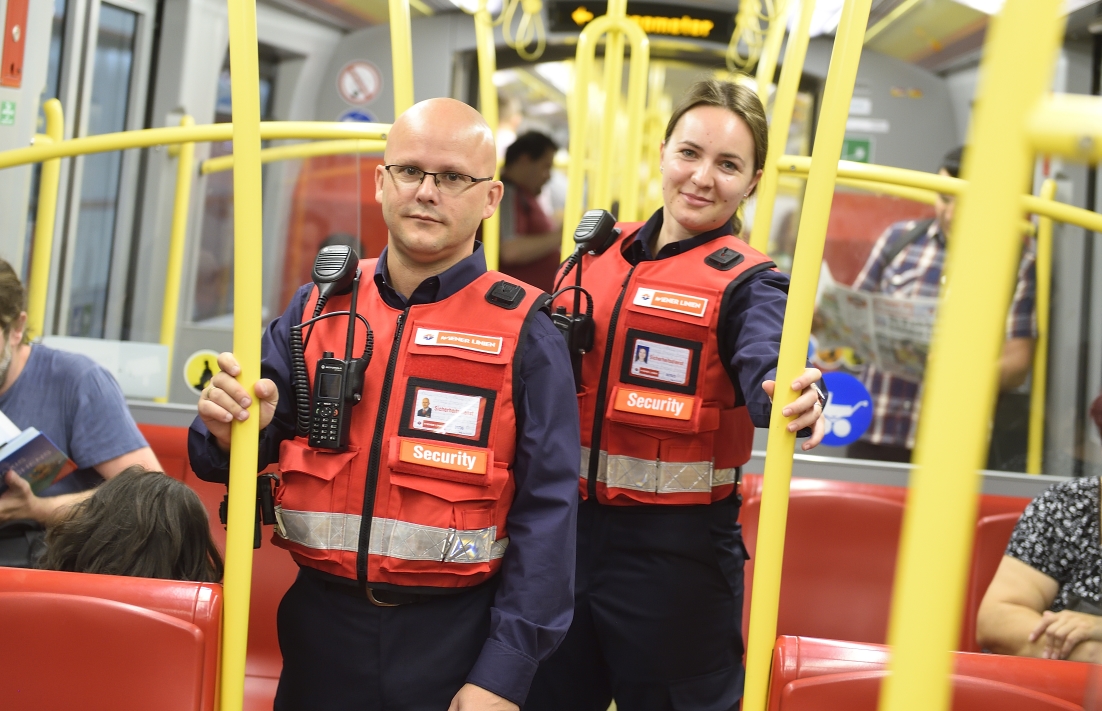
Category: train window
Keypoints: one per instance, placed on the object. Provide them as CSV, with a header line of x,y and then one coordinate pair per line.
x,y
214,275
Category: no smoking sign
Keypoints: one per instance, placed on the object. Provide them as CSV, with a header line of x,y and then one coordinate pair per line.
x,y
359,82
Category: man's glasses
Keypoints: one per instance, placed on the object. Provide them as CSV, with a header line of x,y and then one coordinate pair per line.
x,y
449,183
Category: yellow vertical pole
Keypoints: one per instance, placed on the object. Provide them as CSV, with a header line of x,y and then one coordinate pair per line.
x,y
936,540
487,97
793,355
248,273
39,282
579,118
784,102
401,55
631,177
1039,385
609,147
185,162
767,62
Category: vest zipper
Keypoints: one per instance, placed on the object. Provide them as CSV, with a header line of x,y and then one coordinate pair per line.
x,y
376,451
602,388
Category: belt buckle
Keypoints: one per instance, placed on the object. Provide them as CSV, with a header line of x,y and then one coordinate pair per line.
x,y
378,603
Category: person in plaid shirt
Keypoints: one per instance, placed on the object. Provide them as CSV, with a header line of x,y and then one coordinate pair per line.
x,y
915,271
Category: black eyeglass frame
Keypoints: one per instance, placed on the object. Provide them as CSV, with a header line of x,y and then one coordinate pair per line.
x,y
435,176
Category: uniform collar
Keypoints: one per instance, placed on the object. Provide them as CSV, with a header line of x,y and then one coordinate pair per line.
x,y
435,288
638,251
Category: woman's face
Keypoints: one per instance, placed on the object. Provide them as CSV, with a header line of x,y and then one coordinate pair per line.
x,y
707,168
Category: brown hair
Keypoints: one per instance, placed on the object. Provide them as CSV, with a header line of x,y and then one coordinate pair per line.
x,y
141,524
13,299
739,100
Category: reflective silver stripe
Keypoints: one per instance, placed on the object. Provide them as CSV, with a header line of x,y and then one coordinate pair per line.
x,y
619,471
391,538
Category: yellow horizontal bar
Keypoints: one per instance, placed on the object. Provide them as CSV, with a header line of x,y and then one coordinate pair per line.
x,y
298,150
926,197
1061,212
146,138
1068,125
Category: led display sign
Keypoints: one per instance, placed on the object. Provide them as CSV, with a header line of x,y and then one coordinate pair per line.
x,y
654,18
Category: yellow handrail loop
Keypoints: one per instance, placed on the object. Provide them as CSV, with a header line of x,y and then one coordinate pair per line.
x,y
530,29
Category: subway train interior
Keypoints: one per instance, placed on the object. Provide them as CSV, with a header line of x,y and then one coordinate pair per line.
x,y
126,241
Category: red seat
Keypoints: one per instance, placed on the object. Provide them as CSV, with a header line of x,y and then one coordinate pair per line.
x,y
273,570
839,564
988,548
806,658
860,691
103,641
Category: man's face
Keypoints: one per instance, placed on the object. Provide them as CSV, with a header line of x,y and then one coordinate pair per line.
x,y
531,174
943,208
425,403
427,226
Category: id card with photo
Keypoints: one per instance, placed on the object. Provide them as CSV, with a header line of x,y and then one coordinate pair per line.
x,y
659,361
447,412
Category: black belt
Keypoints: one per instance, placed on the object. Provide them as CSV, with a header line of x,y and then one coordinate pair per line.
x,y
380,597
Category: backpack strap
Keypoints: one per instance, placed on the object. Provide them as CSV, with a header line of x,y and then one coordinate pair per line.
x,y
892,250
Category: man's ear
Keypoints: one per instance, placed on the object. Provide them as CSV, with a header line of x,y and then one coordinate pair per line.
x,y
380,176
493,199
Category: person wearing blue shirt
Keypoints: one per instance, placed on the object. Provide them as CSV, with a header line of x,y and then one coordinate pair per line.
x,y
73,401
467,649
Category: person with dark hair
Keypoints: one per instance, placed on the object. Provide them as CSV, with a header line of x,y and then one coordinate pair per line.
x,y
688,327
73,401
530,243
905,263
140,523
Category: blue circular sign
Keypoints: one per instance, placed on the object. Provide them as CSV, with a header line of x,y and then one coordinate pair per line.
x,y
357,115
848,412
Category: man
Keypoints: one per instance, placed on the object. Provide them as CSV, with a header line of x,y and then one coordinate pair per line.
x,y
460,581
530,244
906,262
426,408
74,402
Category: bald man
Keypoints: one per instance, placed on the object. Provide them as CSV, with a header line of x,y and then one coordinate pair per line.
x,y
436,554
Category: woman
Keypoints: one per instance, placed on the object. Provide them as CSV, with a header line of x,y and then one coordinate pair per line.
x,y
1045,598
658,597
139,523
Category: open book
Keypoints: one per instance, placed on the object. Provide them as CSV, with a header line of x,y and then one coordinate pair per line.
x,y
31,455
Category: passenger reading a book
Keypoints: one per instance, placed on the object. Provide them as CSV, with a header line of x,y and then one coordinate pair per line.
x,y
77,405
142,524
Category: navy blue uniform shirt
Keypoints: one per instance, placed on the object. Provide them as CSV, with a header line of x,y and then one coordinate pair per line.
x,y
534,602
752,332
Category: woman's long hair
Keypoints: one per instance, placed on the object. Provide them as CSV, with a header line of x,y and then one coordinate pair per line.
x,y
141,524
739,100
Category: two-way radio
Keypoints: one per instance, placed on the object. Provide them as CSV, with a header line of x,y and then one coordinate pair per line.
x,y
326,417
595,233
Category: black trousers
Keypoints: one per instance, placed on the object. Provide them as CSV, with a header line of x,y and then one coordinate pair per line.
x,y
342,653
657,613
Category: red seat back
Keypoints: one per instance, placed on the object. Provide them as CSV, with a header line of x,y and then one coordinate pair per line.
x,y
860,691
839,562
805,658
988,548
135,638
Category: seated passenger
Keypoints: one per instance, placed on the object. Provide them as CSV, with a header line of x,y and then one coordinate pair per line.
x,y
142,524
74,402
1044,599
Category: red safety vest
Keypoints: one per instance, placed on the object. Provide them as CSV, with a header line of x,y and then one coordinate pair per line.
x,y
657,400
421,496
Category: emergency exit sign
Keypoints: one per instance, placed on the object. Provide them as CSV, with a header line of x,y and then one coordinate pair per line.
x,y
858,150
7,113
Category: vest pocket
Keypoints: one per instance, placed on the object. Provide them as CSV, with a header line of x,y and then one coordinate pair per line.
x,y
312,500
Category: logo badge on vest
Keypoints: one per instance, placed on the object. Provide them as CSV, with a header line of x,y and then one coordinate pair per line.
x,y
671,301
848,411
467,341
